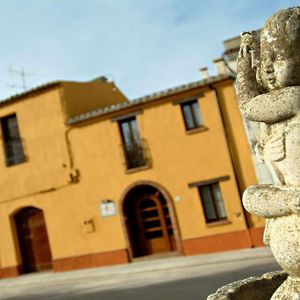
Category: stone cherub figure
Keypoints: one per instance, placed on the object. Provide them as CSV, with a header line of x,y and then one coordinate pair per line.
x,y
268,84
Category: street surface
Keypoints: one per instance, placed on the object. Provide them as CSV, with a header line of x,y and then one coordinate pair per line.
x,y
189,282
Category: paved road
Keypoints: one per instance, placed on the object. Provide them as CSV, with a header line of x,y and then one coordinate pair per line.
x,y
185,283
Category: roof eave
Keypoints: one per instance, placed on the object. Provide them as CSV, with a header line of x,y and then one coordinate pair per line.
x,y
147,99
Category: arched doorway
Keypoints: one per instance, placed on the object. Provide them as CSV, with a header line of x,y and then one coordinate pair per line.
x,y
148,221
33,240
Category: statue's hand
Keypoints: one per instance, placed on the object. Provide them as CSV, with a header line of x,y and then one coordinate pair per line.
x,y
244,57
275,148
247,86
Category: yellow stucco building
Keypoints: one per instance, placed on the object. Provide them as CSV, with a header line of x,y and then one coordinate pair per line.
x,y
90,179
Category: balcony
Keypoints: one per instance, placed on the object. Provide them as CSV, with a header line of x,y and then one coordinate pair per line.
x,y
136,155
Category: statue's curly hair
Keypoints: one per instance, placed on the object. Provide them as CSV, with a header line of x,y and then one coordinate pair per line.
x,y
284,24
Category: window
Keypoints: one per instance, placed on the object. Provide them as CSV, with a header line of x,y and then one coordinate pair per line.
x,y
212,202
132,143
12,141
191,115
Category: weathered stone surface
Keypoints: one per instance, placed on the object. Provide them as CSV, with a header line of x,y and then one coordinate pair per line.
x,y
268,85
253,288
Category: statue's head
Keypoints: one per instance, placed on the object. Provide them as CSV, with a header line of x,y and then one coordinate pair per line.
x,y
280,50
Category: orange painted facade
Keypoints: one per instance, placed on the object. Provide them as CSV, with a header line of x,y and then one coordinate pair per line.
x,y
77,165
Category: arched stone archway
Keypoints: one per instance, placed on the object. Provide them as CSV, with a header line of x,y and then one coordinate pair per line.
x,y
33,240
149,219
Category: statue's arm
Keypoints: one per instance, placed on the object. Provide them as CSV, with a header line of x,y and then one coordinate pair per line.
x,y
247,86
268,201
273,107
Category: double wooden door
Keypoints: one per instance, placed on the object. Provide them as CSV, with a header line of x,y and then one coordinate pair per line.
x,y
153,225
33,240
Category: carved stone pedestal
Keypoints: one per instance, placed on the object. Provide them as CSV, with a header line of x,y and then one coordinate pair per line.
x,y
253,288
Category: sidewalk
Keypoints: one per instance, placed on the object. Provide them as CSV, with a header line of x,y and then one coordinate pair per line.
x,y
151,265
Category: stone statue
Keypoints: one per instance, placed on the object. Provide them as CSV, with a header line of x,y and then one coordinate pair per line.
x,y
268,85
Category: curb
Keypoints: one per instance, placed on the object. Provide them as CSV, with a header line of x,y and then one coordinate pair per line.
x,y
50,278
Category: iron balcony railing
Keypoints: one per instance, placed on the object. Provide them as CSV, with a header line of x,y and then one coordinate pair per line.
x,y
136,154
14,152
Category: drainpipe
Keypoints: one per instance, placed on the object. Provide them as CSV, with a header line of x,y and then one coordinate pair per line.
x,y
217,97
74,173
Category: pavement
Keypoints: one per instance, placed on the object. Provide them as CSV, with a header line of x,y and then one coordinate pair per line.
x,y
136,268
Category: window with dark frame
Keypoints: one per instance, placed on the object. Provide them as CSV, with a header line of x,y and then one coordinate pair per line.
x,y
13,146
132,143
212,202
191,115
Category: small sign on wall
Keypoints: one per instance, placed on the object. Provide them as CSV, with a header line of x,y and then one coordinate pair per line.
x,y
107,208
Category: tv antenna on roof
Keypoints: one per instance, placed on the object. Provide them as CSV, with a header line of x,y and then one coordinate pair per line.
x,y
22,73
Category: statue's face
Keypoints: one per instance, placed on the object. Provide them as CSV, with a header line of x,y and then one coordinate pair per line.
x,y
278,68
280,63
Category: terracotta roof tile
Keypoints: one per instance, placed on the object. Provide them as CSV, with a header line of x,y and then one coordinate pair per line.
x,y
147,98
33,90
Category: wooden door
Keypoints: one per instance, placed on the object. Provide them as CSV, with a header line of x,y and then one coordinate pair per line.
x,y
33,240
152,225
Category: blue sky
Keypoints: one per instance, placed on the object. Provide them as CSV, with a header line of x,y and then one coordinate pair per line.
x,y
144,46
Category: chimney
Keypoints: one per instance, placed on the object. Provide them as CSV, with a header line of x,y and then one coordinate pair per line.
x,y
221,67
204,73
